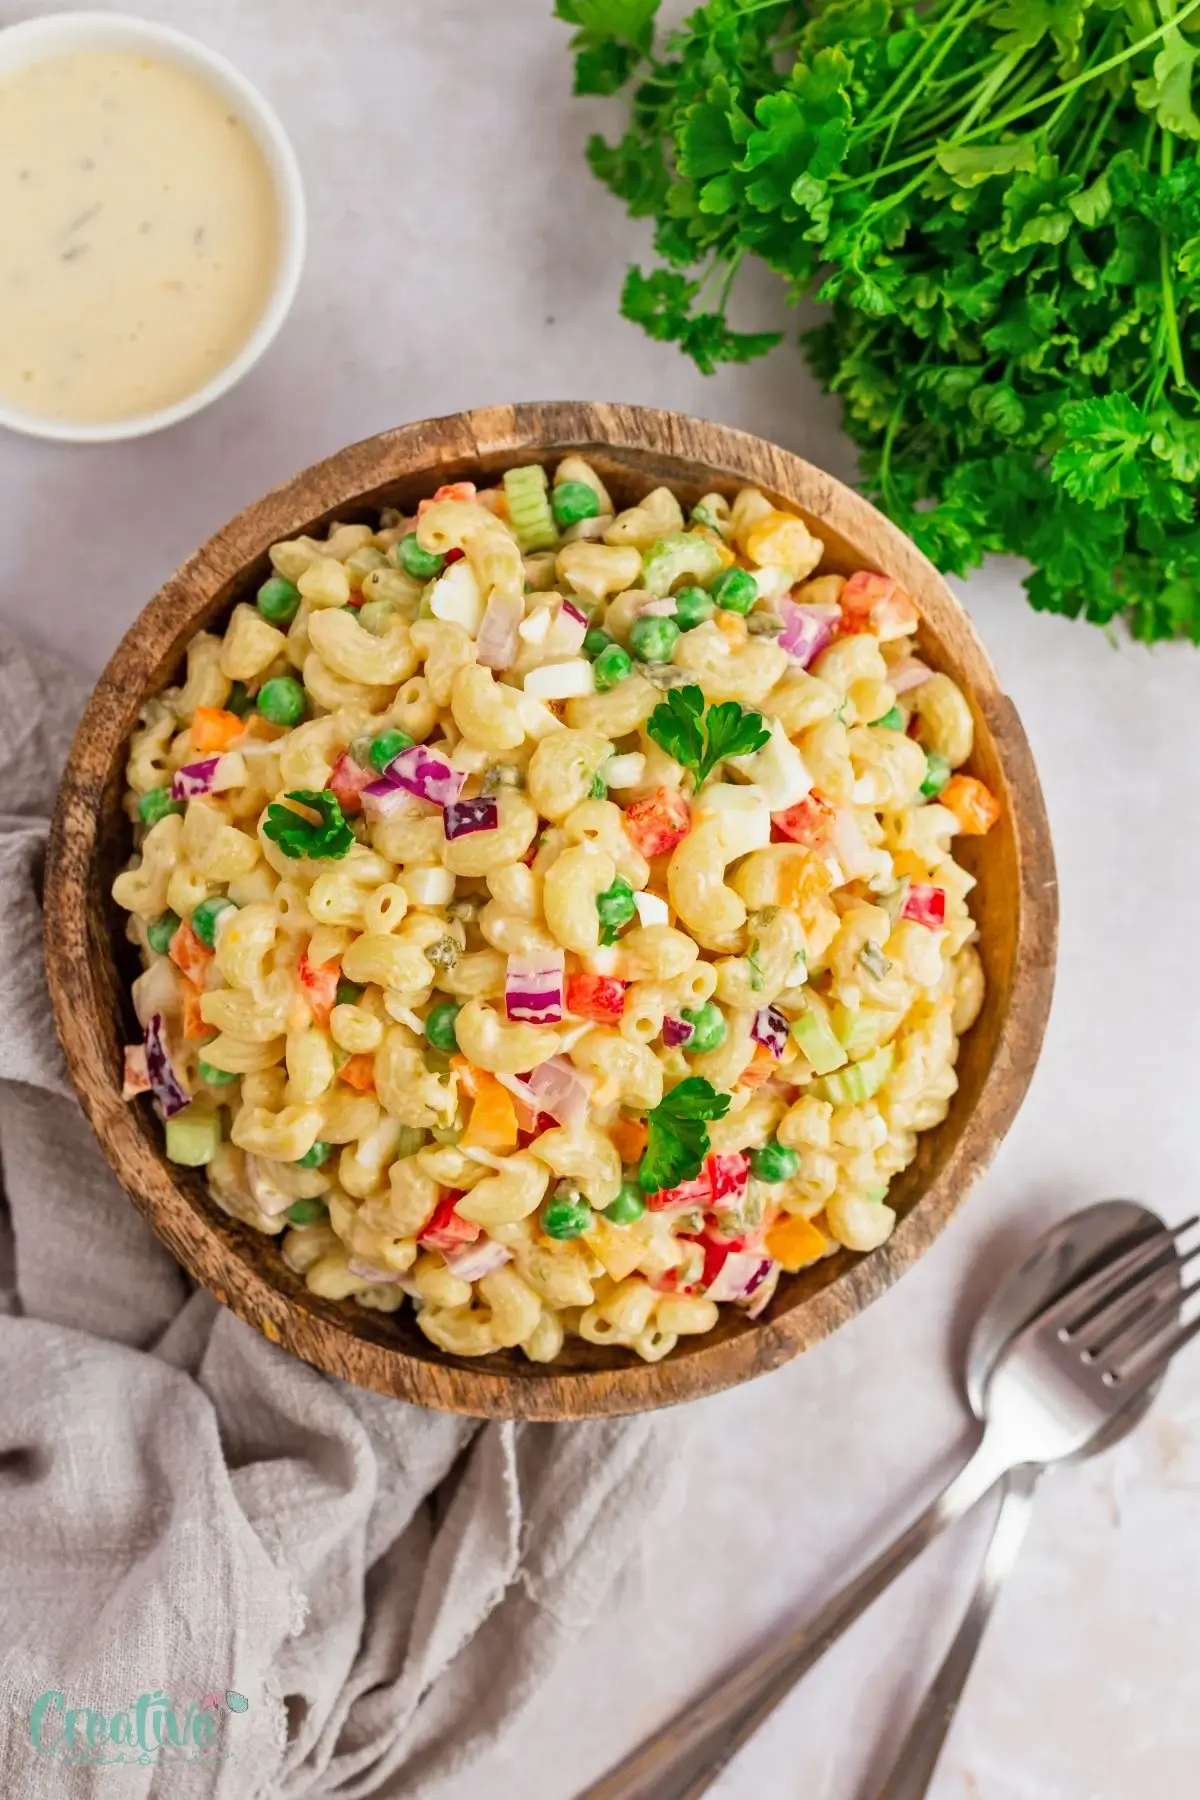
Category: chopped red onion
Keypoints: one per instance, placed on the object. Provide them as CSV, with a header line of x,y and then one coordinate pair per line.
x,y
497,642
194,778
533,988
738,1277
136,1076
426,775
462,817
770,1029
561,1090
477,1260
372,1272
169,1091
806,630
761,1290
387,800
676,1032
909,674
569,607
662,608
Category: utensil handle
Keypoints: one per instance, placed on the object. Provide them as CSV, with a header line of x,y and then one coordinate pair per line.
x,y
913,1769
682,1760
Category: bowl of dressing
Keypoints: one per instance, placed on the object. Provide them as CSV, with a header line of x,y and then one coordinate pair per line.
x,y
154,226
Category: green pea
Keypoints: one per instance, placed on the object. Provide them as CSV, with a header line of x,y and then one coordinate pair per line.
x,y
239,701
598,789
611,668
566,1216
156,804
692,607
282,700
616,907
312,1159
937,774
386,747
709,1023
348,993
422,564
214,1077
441,1026
204,919
279,600
572,501
652,640
892,719
629,1204
307,1212
735,589
774,1162
595,643
160,931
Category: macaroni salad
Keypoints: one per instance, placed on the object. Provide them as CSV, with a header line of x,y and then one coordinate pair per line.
x,y
548,913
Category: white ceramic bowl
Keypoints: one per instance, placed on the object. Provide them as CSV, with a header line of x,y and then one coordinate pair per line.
x,y
59,34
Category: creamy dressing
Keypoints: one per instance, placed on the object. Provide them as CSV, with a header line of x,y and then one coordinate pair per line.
x,y
139,234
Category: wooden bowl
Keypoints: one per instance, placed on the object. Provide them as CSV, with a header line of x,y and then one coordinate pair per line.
x,y
90,963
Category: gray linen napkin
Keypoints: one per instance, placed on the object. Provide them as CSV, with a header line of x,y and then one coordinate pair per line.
x,y
363,1592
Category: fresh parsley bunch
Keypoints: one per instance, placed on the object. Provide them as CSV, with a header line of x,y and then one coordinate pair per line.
x,y
999,200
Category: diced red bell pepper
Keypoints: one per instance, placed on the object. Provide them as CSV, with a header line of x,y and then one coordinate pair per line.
x,y
454,554
445,1230
809,822
659,822
319,981
600,997
925,904
688,1193
727,1175
347,782
874,602
190,956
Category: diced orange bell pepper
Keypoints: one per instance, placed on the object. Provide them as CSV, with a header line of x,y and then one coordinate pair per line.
x,y
320,982
732,627
469,1076
974,806
190,956
794,1243
493,1121
359,1072
215,729
194,1027
628,1138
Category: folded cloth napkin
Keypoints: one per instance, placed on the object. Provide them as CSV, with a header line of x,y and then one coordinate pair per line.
x,y
356,1594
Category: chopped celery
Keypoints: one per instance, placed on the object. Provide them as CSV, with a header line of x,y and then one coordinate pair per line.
x,y
529,511
683,554
861,1081
858,1032
193,1138
815,1037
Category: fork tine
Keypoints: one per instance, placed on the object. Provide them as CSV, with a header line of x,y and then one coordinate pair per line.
x,y
1140,1333
1079,1304
1146,1372
1121,1316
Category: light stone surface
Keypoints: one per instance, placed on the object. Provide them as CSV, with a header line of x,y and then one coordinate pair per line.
x,y
462,255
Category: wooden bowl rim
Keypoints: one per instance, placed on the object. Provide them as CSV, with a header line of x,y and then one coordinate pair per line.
x,y
341,481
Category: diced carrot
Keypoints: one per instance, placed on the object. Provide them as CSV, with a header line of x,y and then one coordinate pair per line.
x,y
190,956
761,1068
732,627
319,981
194,1027
493,1121
359,1072
215,729
469,1076
450,490
659,822
974,806
628,1138
794,1243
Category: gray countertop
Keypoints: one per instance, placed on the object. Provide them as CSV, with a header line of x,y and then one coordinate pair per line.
x,y
461,255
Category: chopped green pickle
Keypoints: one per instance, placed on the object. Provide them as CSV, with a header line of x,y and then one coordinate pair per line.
x,y
307,1212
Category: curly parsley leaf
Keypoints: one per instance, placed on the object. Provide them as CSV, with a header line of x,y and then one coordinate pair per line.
x,y
700,739
612,39
678,1140
298,835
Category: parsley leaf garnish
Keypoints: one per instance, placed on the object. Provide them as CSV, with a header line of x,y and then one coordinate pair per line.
x,y
700,739
297,835
678,1136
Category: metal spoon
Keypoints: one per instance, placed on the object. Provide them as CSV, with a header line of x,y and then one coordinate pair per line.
x,y
1019,1387
1067,1253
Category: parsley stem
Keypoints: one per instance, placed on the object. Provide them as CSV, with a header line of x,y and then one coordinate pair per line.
x,y
904,78
918,88
1170,316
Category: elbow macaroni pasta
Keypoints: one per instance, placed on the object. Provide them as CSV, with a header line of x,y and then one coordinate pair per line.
x,y
425,1056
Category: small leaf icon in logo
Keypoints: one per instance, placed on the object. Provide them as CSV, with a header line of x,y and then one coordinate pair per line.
x,y
236,1702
